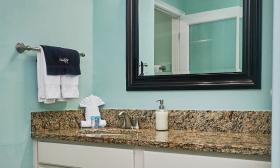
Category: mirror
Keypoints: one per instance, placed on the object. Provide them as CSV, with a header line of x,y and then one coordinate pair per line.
x,y
193,44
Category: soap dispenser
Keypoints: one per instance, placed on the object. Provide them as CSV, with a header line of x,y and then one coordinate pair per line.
x,y
161,117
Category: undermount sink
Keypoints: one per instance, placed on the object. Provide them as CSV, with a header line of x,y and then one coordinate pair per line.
x,y
107,132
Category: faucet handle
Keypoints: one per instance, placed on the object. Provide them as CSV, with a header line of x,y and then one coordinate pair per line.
x,y
125,120
121,117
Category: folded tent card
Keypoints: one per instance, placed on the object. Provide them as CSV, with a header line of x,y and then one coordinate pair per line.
x,y
92,103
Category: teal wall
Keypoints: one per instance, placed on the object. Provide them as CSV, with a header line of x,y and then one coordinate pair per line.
x,y
213,47
146,35
195,6
70,23
163,40
66,23
221,45
219,52
109,81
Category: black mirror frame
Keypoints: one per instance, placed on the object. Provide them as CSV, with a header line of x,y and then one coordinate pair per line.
x,y
249,78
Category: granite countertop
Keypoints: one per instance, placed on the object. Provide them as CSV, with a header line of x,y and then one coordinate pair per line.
x,y
233,132
232,143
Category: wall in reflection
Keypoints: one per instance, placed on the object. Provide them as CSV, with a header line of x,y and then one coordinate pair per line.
x,y
190,36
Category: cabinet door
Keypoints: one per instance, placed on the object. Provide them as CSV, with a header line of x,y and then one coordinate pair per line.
x,y
79,156
167,160
51,166
48,166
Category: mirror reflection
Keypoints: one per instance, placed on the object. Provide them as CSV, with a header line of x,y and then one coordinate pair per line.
x,y
190,36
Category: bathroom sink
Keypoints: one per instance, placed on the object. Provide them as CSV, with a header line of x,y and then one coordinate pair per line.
x,y
107,132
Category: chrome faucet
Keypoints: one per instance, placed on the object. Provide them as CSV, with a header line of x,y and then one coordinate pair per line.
x,y
128,122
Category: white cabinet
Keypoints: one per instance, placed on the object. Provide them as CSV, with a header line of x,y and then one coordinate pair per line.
x,y
49,166
54,155
171,160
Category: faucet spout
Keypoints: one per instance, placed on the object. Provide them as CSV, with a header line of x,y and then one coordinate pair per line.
x,y
125,120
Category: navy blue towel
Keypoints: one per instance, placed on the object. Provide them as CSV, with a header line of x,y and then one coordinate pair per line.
x,y
62,61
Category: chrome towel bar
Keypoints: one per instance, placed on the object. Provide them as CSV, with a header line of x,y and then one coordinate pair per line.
x,y
21,47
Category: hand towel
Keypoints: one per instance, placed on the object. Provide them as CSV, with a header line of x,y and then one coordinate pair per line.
x,y
62,61
69,86
48,85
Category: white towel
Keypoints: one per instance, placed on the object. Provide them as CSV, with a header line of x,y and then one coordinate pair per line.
x,y
70,86
53,88
48,85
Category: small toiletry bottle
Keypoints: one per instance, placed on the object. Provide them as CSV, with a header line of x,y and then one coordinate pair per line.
x,y
161,117
95,121
92,118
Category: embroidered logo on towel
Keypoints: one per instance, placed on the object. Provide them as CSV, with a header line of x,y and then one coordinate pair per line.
x,y
65,60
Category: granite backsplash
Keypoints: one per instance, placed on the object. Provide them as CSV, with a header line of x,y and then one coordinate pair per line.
x,y
190,120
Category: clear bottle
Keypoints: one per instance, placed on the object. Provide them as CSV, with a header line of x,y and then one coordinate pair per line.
x,y
161,117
